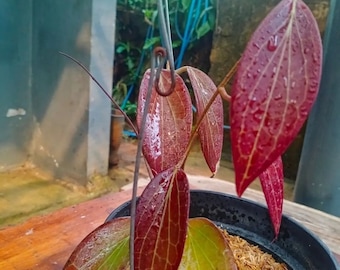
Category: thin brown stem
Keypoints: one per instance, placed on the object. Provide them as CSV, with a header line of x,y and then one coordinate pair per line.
x,y
181,70
138,160
104,91
223,93
226,79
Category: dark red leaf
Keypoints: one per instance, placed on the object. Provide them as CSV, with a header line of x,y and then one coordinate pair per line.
x,y
272,185
211,129
275,86
168,124
161,221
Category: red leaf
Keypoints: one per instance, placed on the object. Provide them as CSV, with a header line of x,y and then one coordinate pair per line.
x,y
168,124
161,221
275,86
211,129
272,185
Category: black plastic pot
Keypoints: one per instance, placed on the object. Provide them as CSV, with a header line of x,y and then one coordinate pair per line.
x,y
298,248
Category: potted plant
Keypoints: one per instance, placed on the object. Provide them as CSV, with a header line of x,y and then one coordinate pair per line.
x,y
275,85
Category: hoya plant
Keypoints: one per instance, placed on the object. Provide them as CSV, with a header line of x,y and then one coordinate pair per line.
x,y
274,86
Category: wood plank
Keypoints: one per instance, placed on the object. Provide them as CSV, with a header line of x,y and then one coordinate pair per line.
x,y
46,242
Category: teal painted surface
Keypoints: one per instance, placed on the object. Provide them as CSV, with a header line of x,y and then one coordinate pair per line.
x,y
56,26
101,66
66,126
60,89
72,134
15,70
318,181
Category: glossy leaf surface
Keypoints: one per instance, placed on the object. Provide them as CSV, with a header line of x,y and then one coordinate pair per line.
x,y
272,185
161,221
168,124
107,247
275,86
211,129
206,247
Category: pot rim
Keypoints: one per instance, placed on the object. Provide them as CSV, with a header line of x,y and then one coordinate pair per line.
x,y
291,231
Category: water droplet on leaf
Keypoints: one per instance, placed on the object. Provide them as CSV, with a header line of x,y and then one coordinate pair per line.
x,y
272,43
288,125
312,89
258,115
278,97
313,84
285,79
303,111
316,58
256,45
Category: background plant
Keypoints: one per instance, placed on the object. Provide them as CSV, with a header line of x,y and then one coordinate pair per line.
x,y
137,34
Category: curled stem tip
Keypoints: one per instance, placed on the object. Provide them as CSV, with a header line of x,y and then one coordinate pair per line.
x,y
221,87
160,55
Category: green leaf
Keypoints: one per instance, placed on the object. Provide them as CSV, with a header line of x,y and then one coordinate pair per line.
x,y
107,247
150,42
202,30
206,247
176,43
130,108
130,64
120,48
148,13
185,4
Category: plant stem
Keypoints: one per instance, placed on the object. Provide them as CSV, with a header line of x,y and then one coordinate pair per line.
x,y
138,161
226,79
181,70
165,32
102,88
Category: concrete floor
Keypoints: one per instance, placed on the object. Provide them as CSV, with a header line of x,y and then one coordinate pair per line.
x,y
27,192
